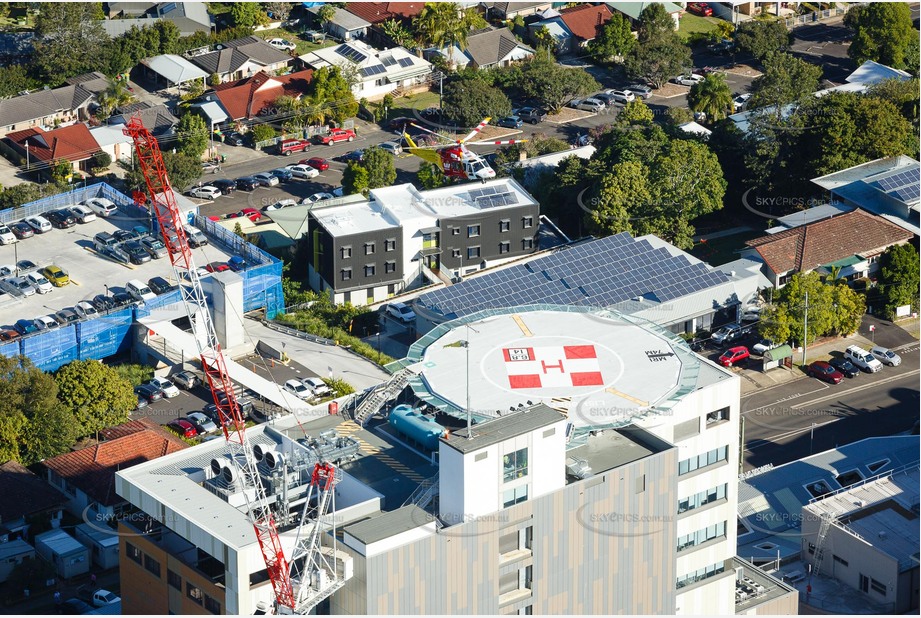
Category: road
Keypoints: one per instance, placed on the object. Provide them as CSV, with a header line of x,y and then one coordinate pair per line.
x,y
792,420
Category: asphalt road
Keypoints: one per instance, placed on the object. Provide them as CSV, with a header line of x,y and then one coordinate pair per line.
x,y
790,421
825,44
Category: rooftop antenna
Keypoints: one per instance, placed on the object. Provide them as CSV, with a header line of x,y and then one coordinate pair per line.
x,y
467,345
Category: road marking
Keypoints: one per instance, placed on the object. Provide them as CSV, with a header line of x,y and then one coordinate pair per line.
x,y
639,402
524,327
773,439
858,388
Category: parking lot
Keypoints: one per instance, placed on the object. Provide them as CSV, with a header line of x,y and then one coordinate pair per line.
x,y
90,273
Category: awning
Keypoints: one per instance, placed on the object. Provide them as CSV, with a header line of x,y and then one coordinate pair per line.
x,y
779,353
848,261
213,111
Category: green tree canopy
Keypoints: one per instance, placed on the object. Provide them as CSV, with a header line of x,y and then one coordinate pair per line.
x,y
615,41
95,394
900,280
192,135
554,85
330,96
181,169
445,24
654,24
355,178
883,33
14,79
711,96
248,15
68,40
624,191
659,59
469,101
760,37
636,112
379,163
398,33
429,176
786,79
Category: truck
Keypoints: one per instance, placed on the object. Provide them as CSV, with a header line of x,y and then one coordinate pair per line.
x,y
335,136
98,597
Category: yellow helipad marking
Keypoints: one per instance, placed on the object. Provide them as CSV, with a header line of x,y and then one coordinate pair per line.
x,y
524,327
349,427
614,391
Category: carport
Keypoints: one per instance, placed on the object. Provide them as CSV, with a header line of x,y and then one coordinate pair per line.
x,y
781,355
174,70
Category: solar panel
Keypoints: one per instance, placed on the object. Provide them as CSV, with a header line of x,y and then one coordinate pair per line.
x,y
351,53
909,193
388,61
897,181
476,193
406,62
376,69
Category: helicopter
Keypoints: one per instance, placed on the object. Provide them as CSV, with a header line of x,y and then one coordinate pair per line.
x,y
456,161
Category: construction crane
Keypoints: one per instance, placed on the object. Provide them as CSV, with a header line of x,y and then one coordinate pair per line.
x,y
311,576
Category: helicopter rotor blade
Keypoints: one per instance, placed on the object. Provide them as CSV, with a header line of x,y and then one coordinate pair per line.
x,y
476,130
503,142
444,137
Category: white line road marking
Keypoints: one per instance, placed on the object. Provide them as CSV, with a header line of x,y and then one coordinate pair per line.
x,y
858,388
786,434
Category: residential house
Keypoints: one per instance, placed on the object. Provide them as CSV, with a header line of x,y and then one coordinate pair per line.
x,y
171,70
632,10
852,242
45,109
344,26
505,11
36,502
376,13
87,475
95,82
486,48
574,27
379,72
74,144
189,17
156,118
241,58
255,96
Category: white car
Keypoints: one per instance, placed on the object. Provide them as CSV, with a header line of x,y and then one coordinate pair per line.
x,y
317,386
169,389
297,388
317,197
763,346
6,235
589,105
101,206
391,147
82,214
45,323
303,171
688,80
279,205
39,282
266,179
85,310
621,96
282,44
206,193
39,223
886,356
402,312
741,101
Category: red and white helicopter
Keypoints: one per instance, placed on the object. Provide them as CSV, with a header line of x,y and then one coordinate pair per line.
x,y
456,160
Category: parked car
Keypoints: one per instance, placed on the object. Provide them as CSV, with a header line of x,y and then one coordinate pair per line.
x,y
303,171
510,122
183,427
57,276
700,8
217,267
7,270
154,247
22,230
202,423
316,197
729,332
75,607
285,203
9,335
400,124
25,266
725,46
195,236
136,252
169,389
401,312
639,90
101,206
289,146
39,224
85,309
589,105
237,264
123,236
186,379
208,192
355,155
863,359
297,388
225,185
391,147
25,327
846,367
621,96
247,183
763,346
234,139
733,356
45,322
282,174
103,303
282,44
688,80
740,101
149,392
20,285
159,285
251,213
317,386
532,115
886,356
60,218
66,316
39,282
122,299
82,214
335,136
825,372
7,237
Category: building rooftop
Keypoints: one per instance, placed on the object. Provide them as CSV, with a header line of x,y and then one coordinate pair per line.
x,y
586,21
378,12
32,494
175,69
248,97
350,219
503,428
43,103
809,215
73,143
766,588
491,46
386,525
607,450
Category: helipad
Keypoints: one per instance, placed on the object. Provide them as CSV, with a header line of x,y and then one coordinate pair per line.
x,y
598,366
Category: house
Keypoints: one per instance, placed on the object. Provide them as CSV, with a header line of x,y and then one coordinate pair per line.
x,y
241,58
189,17
505,11
852,242
171,70
95,82
255,96
74,144
13,553
87,476
69,557
889,187
694,128
45,108
156,118
379,72
36,502
632,10
574,27
112,140
486,48
344,25
376,13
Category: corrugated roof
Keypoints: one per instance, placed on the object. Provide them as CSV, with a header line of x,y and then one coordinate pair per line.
x,y
43,103
175,69
33,495
386,525
585,21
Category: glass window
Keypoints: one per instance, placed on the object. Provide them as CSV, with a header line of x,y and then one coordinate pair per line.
x,y
455,231
878,586
455,253
699,574
346,252
703,460
473,253
527,222
173,579
152,565
718,415
390,267
134,553
505,225
346,274
193,592
473,231
390,244
212,605
369,248
504,247
527,243
515,465
369,270
514,496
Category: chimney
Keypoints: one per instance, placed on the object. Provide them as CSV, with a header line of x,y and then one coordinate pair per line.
x,y
599,19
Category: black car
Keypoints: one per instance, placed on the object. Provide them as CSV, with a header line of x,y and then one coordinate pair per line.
x,y
845,366
136,252
148,392
247,183
75,607
122,298
225,185
244,406
26,266
233,139
60,218
355,155
126,235
103,303
159,285
22,230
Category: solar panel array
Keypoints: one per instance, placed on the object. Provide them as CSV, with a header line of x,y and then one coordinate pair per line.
x,y
388,61
376,69
406,62
351,53
498,199
598,273
905,185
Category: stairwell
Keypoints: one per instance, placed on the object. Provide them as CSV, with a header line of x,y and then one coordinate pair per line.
x,y
381,395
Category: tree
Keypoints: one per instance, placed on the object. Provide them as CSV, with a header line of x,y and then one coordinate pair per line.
x,y
248,15
467,102
445,24
786,79
193,89
14,79
624,191
181,169
114,96
355,178
95,394
711,96
678,115
904,94
899,279
882,32
238,230
330,97
615,41
761,37
325,14
26,192
214,80
62,171
398,33
68,40
278,10
379,164
263,132
654,24
543,39
658,60
101,161
430,176
554,85
192,135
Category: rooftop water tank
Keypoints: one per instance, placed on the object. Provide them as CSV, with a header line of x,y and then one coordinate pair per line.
x,y
412,424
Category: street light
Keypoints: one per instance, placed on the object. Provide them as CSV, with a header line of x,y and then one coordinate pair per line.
x,y
467,345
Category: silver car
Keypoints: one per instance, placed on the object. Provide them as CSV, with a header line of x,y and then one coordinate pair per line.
x,y
266,179
886,356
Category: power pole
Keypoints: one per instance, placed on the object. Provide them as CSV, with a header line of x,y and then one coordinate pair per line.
x,y
805,325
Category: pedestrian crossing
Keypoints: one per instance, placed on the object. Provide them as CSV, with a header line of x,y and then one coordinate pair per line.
x,y
350,427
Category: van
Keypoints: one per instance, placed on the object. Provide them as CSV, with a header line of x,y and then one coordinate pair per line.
x,y
6,235
139,291
862,359
195,236
104,240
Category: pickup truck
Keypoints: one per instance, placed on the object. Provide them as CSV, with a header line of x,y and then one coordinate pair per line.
x,y
97,597
335,136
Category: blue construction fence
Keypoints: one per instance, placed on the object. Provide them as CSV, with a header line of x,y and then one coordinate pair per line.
x,y
63,200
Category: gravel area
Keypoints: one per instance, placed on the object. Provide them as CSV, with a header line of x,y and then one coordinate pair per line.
x,y
568,114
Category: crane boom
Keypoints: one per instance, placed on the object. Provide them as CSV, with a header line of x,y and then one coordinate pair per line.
x,y
169,217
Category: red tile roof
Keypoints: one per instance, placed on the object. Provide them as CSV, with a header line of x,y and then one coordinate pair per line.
x,y
807,247
585,21
93,469
378,12
74,143
247,97
27,493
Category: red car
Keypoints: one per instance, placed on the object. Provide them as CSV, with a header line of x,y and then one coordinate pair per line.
x,y
217,267
700,8
183,427
253,214
337,135
733,356
316,163
825,372
288,146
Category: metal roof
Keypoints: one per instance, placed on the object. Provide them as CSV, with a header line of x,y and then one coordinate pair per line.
x,y
385,525
503,428
59,542
173,68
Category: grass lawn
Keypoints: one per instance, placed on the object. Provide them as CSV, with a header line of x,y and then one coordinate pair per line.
x,y
691,24
404,106
303,46
722,250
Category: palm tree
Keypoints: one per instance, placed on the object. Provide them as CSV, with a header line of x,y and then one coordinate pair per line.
x,y
115,95
446,25
711,96
397,32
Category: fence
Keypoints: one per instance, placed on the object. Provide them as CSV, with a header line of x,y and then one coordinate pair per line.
x,y
307,133
62,200
809,18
